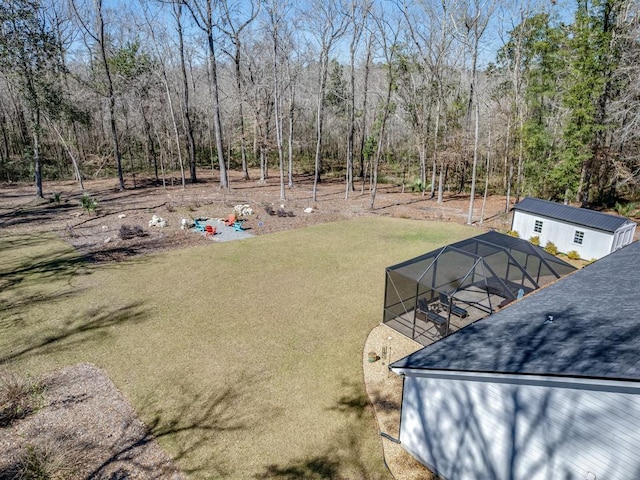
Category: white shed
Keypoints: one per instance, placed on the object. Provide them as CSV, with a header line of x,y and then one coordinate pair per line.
x,y
592,234
547,388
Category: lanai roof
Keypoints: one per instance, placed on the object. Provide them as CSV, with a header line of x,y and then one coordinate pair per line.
x,y
584,325
568,213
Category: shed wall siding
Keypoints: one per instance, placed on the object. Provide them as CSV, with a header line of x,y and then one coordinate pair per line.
x,y
596,244
463,430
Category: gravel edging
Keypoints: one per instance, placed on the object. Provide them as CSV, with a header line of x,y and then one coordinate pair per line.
x,y
384,389
86,425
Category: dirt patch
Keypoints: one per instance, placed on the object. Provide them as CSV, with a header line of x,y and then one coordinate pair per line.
x,y
96,235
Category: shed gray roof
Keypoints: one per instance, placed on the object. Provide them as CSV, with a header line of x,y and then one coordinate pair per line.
x,y
575,215
595,330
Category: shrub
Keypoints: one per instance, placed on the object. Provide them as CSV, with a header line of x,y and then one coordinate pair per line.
x,y
551,248
513,233
89,203
626,210
281,212
130,231
19,396
417,186
56,198
535,240
573,255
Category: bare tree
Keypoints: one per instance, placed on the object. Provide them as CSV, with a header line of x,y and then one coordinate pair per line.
x,y
292,79
99,37
203,14
429,27
388,39
275,13
59,17
327,23
233,27
162,74
472,24
186,107
358,16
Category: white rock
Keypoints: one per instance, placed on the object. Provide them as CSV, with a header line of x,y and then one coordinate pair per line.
x,y
104,228
308,210
154,220
107,240
122,215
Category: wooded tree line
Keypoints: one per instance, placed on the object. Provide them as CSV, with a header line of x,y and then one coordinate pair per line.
x,y
471,96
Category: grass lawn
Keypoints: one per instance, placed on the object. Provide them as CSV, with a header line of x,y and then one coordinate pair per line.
x,y
244,357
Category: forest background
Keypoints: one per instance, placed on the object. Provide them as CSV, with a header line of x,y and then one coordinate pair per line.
x,y
533,98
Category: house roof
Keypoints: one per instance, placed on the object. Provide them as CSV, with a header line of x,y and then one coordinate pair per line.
x,y
584,325
575,215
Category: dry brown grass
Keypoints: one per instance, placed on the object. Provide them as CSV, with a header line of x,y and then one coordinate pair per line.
x,y
246,354
49,460
20,396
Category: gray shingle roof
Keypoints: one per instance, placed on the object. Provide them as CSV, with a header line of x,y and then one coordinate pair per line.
x,y
595,331
575,215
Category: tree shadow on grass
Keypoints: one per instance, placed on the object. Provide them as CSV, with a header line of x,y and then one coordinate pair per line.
x,y
36,212
194,429
45,267
90,325
355,401
321,466
197,423
31,275
340,458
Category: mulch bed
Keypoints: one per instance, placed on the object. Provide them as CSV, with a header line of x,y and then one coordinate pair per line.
x,y
84,428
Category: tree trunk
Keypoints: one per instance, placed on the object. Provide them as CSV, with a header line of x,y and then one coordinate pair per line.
x,y
36,154
276,106
357,31
292,90
217,123
191,144
243,140
475,165
175,127
74,162
152,158
111,93
320,118
365,95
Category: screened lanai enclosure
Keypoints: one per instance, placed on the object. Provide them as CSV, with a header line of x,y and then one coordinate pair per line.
x,y
435,294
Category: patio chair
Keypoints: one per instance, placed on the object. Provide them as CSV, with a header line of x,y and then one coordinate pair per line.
x,y
230,220
237,226
447,304
424,313
209,230
199,226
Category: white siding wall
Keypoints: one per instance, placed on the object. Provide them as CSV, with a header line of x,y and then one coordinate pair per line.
x,y
595,244
482,430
